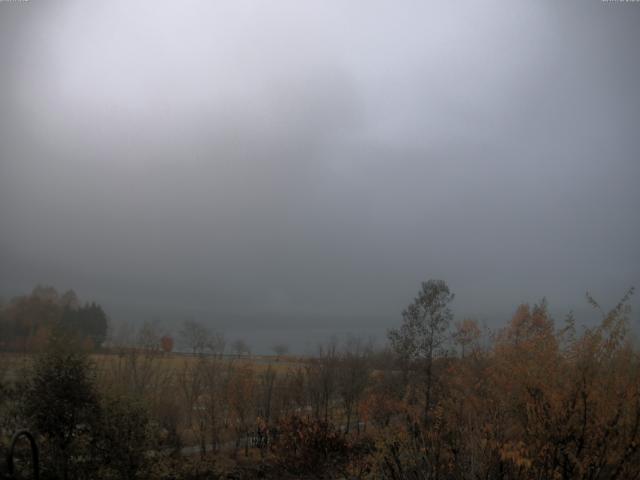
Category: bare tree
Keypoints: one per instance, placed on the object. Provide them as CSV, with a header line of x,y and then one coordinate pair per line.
x,y
423,332
214,399
216,344
322,375
240,348
266,385
137,369
280,349
353,376
195,336
241,395
149,336
190,381
120,335
291,391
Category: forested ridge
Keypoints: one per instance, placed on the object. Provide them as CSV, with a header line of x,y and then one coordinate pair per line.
x,y
27,321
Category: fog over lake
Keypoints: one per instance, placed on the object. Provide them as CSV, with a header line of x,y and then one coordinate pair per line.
x,y
285,171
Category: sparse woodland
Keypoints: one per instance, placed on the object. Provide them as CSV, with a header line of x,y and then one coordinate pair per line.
x,y
535,399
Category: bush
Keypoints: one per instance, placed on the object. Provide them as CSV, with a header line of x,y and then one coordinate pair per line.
x,y
122,439
60,404
303,447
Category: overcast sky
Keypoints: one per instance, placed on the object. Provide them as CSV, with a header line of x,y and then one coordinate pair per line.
x,y
291,168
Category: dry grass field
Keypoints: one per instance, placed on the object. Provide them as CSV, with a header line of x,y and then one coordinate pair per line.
x,y
12,363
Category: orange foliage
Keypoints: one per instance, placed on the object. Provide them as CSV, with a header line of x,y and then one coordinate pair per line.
x,y
166,343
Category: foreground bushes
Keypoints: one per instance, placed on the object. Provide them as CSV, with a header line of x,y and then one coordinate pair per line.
x,y
532,400
538,402
83,433
314,447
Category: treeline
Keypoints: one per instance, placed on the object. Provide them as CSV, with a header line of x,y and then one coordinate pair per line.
x,y
446,400
27,321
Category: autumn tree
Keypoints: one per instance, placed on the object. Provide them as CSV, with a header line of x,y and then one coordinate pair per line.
x,y
597,424
423,333
27,321
166,343
382,400
466,335
309,447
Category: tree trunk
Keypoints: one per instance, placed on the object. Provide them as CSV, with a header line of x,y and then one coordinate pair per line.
x,y
427,400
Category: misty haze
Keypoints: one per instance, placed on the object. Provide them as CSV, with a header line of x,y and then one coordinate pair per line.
x,y
246,223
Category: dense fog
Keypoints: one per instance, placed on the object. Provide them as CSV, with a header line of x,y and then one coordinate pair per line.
x,y
291,170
